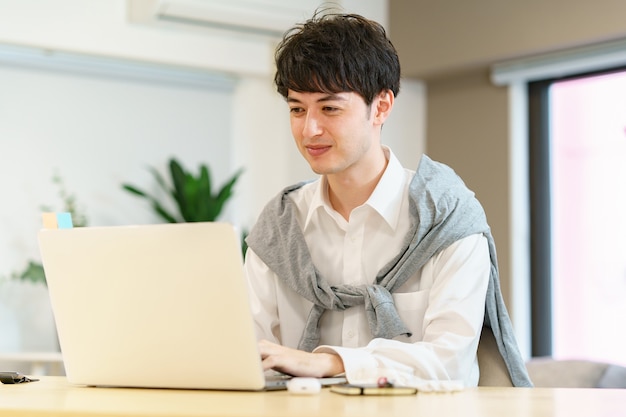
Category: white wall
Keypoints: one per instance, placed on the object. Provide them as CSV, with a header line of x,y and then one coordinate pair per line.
x,y
103,129
103,28
96,133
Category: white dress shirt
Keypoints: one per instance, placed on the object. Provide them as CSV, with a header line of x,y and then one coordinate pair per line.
x,y
442,304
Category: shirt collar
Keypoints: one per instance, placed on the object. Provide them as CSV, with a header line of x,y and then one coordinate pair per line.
x,y
319,201
388,195
386,199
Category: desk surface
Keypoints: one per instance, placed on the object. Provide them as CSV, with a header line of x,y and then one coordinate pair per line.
x,y
53,396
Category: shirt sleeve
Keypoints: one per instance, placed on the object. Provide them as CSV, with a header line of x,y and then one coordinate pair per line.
x,y
451,329
262,293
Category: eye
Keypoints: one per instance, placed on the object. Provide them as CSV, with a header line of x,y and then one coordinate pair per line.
x,y
296,110
330,109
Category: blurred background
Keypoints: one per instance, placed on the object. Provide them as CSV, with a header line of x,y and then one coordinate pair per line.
x,y
94,93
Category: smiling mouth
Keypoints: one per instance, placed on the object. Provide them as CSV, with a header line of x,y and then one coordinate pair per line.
x,y
317,150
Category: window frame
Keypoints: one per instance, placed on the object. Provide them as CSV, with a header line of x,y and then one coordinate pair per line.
x,y
540,201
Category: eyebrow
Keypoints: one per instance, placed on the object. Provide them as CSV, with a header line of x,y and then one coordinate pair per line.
x,y
329,97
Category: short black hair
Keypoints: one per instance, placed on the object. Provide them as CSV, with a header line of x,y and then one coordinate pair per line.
x,y
334,53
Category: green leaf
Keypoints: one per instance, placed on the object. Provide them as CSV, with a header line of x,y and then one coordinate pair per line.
x,y
170,218
179,179
159,179
158,208
205,171
227,190
134,190
33,273
202,202
191,195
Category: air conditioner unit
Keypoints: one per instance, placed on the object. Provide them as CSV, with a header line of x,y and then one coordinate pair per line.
x,y
260,17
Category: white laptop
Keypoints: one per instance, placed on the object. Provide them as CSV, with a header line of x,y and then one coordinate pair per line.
x,y
159,306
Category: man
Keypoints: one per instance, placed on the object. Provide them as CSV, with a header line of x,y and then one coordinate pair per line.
x,y
373,270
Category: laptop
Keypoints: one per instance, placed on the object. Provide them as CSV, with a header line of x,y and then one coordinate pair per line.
x,y
154,306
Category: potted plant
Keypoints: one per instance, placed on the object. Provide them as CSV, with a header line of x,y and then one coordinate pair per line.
x,y
33,272
29,325
192,194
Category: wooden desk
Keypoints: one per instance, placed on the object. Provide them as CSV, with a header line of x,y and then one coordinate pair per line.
x,y
53,396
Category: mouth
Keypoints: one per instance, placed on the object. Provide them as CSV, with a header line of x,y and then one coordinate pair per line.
x,y
317,150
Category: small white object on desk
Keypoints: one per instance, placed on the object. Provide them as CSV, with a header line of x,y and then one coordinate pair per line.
x,y
304,385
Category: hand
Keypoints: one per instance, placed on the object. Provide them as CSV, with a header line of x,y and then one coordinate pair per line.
x,y
298,362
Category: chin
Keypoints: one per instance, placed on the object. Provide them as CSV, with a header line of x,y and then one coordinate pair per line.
x,y
324,168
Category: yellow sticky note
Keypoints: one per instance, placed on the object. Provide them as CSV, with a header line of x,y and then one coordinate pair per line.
x,y
49,220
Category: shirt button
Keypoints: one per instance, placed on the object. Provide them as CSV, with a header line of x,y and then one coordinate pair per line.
x,y
350,334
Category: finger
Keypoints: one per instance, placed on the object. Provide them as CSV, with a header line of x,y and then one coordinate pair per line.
x,y
267,348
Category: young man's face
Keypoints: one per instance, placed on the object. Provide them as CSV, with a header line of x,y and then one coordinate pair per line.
x,y
336,133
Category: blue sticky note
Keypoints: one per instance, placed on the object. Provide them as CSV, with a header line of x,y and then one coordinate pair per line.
x,y
64,220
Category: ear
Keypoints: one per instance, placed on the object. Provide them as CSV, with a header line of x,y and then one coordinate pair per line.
x,y
383,103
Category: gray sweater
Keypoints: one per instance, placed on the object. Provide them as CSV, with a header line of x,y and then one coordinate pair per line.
x,y
443,210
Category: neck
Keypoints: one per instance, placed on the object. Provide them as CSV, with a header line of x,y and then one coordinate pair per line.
x,y
349,190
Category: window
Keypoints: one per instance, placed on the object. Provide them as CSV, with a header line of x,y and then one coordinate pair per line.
x,y
578,200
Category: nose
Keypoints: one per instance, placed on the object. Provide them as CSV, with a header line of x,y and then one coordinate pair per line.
x,y
312,126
